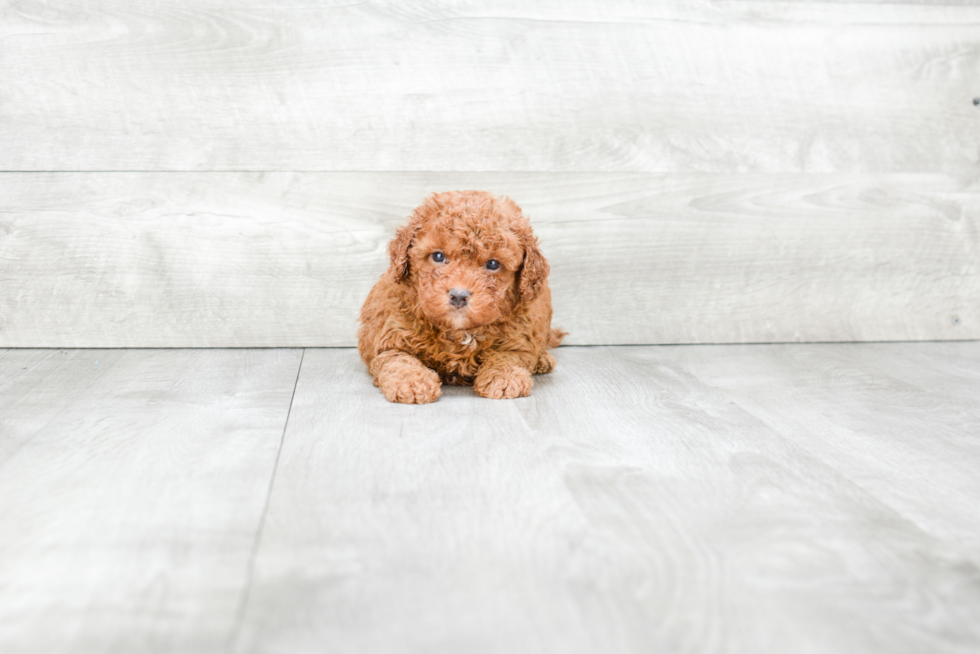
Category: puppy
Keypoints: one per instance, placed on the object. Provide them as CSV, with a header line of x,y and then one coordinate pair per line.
x,y
465,301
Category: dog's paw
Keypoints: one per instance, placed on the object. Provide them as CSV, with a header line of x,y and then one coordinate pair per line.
x,y
413,386
503,384
546,363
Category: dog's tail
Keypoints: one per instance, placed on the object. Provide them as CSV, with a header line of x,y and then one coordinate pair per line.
x,y
554,338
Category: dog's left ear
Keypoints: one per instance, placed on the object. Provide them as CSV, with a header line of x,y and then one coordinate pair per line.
x,y
534,270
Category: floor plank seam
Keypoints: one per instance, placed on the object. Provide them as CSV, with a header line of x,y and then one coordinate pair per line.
x,y
233,635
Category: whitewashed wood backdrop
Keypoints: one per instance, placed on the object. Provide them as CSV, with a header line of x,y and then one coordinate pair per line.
x,y
227,173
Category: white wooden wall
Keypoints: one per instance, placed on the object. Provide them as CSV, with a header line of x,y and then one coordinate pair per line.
x,y
227,173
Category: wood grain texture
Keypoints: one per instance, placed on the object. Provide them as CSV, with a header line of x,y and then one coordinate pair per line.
x,y
132,484
507,85
900,420
642,499
286,259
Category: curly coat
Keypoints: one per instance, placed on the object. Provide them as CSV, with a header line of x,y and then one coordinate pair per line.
x,y
465,301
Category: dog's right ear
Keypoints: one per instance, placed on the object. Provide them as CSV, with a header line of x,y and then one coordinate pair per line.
x,y
400,245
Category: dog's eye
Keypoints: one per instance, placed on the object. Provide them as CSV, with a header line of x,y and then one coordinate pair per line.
x,y
439,257
493,264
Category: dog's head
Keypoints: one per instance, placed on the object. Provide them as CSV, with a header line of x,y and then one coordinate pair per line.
x,y
470,256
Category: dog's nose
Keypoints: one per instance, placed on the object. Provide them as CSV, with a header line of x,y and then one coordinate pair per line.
x,y
458,297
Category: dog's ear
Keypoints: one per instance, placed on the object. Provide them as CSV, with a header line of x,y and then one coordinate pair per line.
x,y
534,270
400,245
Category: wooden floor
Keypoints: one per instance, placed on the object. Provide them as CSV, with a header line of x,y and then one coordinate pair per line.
x,y
766,498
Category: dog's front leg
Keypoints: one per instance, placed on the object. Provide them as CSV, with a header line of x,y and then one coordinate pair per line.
x,y
405,379
505,375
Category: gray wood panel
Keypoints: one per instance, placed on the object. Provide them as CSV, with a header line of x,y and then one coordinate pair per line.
x,y
132,485
641,500
507,85
285,259
900,420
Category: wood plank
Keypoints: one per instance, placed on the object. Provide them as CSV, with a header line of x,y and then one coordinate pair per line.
x,y
628,505
555,85
132,484
285,259
899,419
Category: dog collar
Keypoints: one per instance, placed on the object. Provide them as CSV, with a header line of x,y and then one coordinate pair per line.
x,y
471,339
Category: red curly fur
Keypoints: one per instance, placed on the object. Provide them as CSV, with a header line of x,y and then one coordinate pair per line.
x,y
413,339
